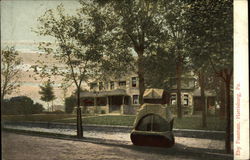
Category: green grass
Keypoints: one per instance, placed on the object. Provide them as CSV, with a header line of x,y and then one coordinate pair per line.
x,y
36,117
122,120
190,122
195,122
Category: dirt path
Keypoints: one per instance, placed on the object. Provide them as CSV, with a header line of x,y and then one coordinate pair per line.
x,y
25,147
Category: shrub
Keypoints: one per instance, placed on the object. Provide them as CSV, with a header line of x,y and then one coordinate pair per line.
x,y
21,105
58,112
70,103
103,111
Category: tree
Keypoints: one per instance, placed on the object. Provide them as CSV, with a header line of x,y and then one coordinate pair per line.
x,y
176,39
212,26
37,108
21,105
159,69
70,103
47,93
10,72
131,27
199,63
74,48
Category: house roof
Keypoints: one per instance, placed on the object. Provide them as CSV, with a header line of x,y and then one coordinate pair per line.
x,y
153,93
117,92
197,93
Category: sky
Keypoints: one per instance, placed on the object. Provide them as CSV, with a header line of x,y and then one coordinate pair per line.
x,y
18,17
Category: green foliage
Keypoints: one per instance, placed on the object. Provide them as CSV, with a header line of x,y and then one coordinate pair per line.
x,y
210,31
70,103
21,105
211,44
47,93
74,47
103,111
131,28
10,72
159,68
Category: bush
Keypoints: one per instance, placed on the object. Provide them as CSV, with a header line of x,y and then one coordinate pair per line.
x,y
70,103
58,112
103,111
37,108
21,105
54,112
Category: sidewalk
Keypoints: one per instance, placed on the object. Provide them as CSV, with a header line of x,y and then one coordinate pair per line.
x,y
216,135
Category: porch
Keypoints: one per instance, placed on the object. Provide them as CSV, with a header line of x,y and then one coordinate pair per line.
x,y
115,101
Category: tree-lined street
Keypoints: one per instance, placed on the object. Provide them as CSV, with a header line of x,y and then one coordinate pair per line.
x,y
110,52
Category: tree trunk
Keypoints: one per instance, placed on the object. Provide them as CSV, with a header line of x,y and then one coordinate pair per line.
x,y
2,100
203,103
79,115
141,76
52,106
48,106
178,82
228,113
2,97
222,100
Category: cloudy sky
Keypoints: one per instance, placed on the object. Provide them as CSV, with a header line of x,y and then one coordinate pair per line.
x,y
18,17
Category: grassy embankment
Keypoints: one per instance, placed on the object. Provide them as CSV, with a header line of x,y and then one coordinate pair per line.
x,y
190,122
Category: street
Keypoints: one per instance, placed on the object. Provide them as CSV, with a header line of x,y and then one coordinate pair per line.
x,y
28,147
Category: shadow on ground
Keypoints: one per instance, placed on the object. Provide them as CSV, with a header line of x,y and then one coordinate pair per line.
x,y
177,149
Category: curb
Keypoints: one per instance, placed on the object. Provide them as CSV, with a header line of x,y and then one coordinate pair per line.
x,y
65,137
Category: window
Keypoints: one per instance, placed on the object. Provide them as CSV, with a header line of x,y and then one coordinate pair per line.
x,y
153,122
93,85
112,85
100,86
185,99
122,83
173,99
135,99
88,101
106,86
133,81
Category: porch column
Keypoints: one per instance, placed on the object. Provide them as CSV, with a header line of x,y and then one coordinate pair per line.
x,y
122,109
107,103
206,105
95,104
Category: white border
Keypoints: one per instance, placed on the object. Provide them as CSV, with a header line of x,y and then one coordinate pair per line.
x,y
241,78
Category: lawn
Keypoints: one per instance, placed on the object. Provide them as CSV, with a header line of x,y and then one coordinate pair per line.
x,y
36,117
122,120
190,122
194,122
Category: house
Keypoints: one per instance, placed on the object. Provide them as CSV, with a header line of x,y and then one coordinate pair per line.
x,y
190,95
188,85
122,95
210,101
114,96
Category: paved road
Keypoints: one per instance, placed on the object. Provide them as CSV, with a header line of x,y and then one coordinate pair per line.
x,y
27,147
